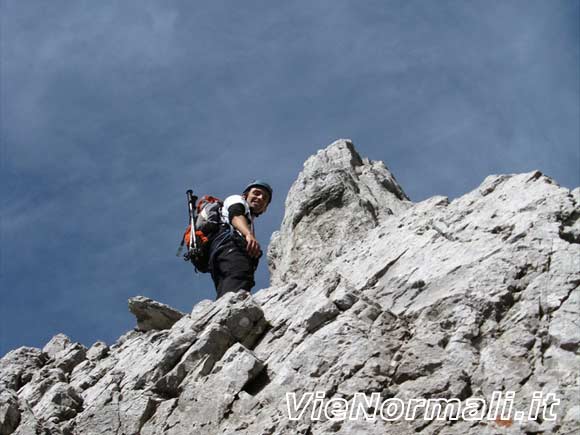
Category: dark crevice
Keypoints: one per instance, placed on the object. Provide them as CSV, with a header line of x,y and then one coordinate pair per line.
x,y
378,275
394,187
540,310
279,330
149,412
467,391
369,207
164,391
331,198
506,302
525,380
318,327
443,342
268,327
258,383
335,427
523,271
423,425
418,284
565,298
544,345
333,203
455,269
569,236
567,222
443,233
228,411
570,347
167,393
118,418
548,264
536,175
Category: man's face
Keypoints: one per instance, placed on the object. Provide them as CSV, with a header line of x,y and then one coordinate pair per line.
x,y
257,199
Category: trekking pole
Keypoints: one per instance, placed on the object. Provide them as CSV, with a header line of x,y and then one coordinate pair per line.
x,y
191,200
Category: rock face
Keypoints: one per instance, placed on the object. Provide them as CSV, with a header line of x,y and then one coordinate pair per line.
x,y
376,303
336,199
151,314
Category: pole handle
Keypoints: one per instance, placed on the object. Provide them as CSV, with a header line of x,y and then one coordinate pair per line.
x,y
191,200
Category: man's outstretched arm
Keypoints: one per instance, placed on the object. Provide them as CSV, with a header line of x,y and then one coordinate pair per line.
x,y
241,224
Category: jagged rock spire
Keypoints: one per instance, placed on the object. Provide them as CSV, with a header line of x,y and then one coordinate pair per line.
x,y
334,201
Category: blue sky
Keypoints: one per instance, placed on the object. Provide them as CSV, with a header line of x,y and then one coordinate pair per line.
x,y
111,110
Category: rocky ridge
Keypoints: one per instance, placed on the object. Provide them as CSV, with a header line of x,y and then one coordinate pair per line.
x,y
370,294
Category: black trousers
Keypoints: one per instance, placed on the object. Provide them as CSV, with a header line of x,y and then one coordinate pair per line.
x,y
232,269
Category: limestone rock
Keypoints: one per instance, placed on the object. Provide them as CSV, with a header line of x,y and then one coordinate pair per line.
x,y
233,318
337,198
69,358
371,295
98,351
63,353
151,314
61,402
28,423
206,402
18,366
57,344
9,412
40,383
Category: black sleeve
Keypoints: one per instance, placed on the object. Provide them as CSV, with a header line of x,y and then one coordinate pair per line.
x,y
236,210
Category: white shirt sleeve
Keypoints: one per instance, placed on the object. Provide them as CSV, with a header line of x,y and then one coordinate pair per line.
x,y
231,200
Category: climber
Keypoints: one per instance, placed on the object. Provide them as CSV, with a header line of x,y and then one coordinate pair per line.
x,y
235,252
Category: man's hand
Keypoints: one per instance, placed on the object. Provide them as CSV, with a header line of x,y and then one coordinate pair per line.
x,y
252,246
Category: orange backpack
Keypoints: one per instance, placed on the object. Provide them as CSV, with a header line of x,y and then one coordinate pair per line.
x,y
207,221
